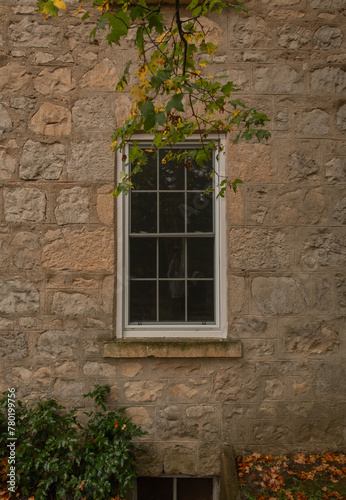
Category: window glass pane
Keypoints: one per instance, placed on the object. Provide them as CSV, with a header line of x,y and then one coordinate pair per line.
x,y
154,488
199,212
198,178
143,212
200,300
142,257
170,173
172,300
195,489
172,258
142,301
172,215
148,178
200,257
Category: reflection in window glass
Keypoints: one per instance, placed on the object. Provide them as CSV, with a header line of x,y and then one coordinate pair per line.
x,y
171,174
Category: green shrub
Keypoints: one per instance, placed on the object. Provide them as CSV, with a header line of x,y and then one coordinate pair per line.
x,y
58,458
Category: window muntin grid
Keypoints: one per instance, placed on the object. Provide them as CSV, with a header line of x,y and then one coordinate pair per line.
x,y
168,209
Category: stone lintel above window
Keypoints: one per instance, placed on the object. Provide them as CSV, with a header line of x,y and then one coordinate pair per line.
x,y
191,348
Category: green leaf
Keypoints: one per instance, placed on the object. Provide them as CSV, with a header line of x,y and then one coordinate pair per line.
x,y
149,115
155,21
228,88
234,184
161,118
176,103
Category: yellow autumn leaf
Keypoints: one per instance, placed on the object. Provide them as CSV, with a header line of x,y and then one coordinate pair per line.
x,y
60,4
203,64
137,93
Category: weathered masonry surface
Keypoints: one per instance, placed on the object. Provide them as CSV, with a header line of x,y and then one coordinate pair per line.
x,y
282,385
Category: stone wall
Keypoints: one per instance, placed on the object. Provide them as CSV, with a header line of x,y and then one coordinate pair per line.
x,y
287,240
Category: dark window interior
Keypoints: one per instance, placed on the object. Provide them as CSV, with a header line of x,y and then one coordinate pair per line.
x,y
158,488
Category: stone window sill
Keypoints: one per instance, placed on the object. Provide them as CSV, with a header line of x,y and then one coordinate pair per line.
x,y
191,348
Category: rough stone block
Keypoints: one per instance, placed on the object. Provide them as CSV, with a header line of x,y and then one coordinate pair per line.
x,y
56,344
130,369
8,165
141,416
339,211
251,162
301,167
172,425
236,294
144,390
341,118
68,390
41,161
101,370
327,38
24,205
13,77
72,206
179,459
14,345
251,327
340,284
328,5
279,295
29,33
251,32
274,389
54,81
192,390
328,80
314,123
5,121
103,76
90,161
273,432
236,383
293,37
278,79
259,248
335,171
321,294
73,304
319,432
175,368
300,206
258,349
330,382
51,119
94,113
79,249
322,250
105,205
26,250
310,337
18,297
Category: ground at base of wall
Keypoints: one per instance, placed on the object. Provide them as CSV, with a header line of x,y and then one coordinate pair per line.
x,y
292,477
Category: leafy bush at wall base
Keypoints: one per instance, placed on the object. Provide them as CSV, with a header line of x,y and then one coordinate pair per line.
x,y
58,458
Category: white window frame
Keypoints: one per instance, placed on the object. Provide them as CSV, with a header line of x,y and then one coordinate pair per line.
x,y
217,330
